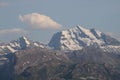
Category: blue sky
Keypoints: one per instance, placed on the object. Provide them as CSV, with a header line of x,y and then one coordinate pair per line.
x,y
29,17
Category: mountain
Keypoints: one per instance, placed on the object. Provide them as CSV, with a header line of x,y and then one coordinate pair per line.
x,y
89,63
96,55
38,57
7,63
32,64
92,63
23,59
80,54
78,37
20,44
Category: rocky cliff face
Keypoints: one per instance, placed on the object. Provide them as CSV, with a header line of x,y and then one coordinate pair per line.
x,y
38,63
7,63
36,56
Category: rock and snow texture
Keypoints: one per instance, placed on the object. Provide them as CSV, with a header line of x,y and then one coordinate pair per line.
x,y
78,37
72,39
111,48
20,44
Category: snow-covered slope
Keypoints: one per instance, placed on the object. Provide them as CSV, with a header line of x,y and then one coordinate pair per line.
x,y
20,44
78,37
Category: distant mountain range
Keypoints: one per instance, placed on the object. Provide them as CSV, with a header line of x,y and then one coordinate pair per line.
x,y
74,54
78,37
75,38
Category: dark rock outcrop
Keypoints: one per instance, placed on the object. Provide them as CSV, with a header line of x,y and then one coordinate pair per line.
x,y
7,63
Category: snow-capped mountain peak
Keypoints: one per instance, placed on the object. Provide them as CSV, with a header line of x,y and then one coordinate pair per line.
x,y
25,39
24,42
78,37
96,33
21,43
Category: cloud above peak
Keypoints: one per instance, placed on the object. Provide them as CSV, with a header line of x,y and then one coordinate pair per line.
x,y
39,21
11,31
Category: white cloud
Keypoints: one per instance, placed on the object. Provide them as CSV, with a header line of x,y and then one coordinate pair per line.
x,y
39,21
2,4
14,30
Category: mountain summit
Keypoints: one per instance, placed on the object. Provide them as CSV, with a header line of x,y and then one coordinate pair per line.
x,y
21,43
78,37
